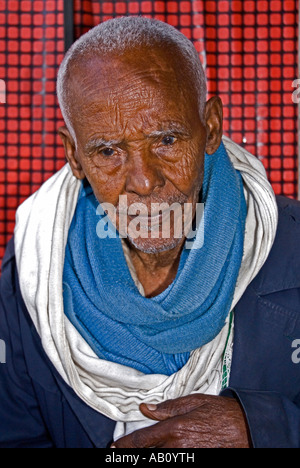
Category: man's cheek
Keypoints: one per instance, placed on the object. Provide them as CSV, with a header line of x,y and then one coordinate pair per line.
x,y
107,184
106,190
185,176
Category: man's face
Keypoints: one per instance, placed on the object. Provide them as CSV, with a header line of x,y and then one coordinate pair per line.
x,y
139,134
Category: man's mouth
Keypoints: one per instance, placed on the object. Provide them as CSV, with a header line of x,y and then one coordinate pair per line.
x,y
152,223
162,219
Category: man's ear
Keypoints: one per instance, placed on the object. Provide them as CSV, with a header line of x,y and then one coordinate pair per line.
x,y
214,124
70,152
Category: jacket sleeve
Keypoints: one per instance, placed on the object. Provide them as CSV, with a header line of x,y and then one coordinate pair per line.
x,y
21,422
273,419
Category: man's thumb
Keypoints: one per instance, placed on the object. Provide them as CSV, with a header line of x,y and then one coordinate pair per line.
x,y
171,408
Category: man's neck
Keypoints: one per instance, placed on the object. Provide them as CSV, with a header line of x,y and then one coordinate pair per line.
x,y
155,271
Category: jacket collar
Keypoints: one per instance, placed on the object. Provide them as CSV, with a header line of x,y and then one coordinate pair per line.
x,y
281,270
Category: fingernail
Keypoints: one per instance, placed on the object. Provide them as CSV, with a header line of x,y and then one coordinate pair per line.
x,y
151,407
113,446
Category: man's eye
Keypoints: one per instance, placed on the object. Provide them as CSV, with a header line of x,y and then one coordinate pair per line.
x,y
168,140
107,152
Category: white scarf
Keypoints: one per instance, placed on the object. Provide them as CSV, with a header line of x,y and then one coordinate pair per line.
x,y
41,232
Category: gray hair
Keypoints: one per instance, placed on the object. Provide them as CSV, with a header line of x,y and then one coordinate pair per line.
x,y
121,34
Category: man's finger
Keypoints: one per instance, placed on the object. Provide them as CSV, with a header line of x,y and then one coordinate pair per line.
x,y
153,436
170,408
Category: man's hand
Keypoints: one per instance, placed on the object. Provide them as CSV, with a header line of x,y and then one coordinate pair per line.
x,y
194,421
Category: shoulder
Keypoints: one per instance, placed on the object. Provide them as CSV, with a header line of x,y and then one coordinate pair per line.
x,y
281,270
289,209
8,267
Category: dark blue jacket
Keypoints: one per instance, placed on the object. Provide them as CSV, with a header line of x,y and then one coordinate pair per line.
x,y
37,409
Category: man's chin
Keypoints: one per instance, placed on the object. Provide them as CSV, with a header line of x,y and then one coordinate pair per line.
x,y
154,246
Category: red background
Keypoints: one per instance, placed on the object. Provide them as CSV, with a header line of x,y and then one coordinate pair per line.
x,y
251,60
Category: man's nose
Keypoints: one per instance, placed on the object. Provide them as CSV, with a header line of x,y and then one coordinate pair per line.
x,y
143,175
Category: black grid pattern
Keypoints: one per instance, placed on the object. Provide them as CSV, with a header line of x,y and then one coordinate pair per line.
x,y
31,49
249,49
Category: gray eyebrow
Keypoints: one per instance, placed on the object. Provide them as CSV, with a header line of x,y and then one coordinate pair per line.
x,y
99,143
171,128
160,133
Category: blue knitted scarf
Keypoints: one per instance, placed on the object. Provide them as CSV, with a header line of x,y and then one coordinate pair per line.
x,y
156,335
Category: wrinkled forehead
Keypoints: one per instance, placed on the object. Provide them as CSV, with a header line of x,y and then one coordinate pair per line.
x,y
94,75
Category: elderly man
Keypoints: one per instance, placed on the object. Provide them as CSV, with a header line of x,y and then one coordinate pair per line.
x,y
142,339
